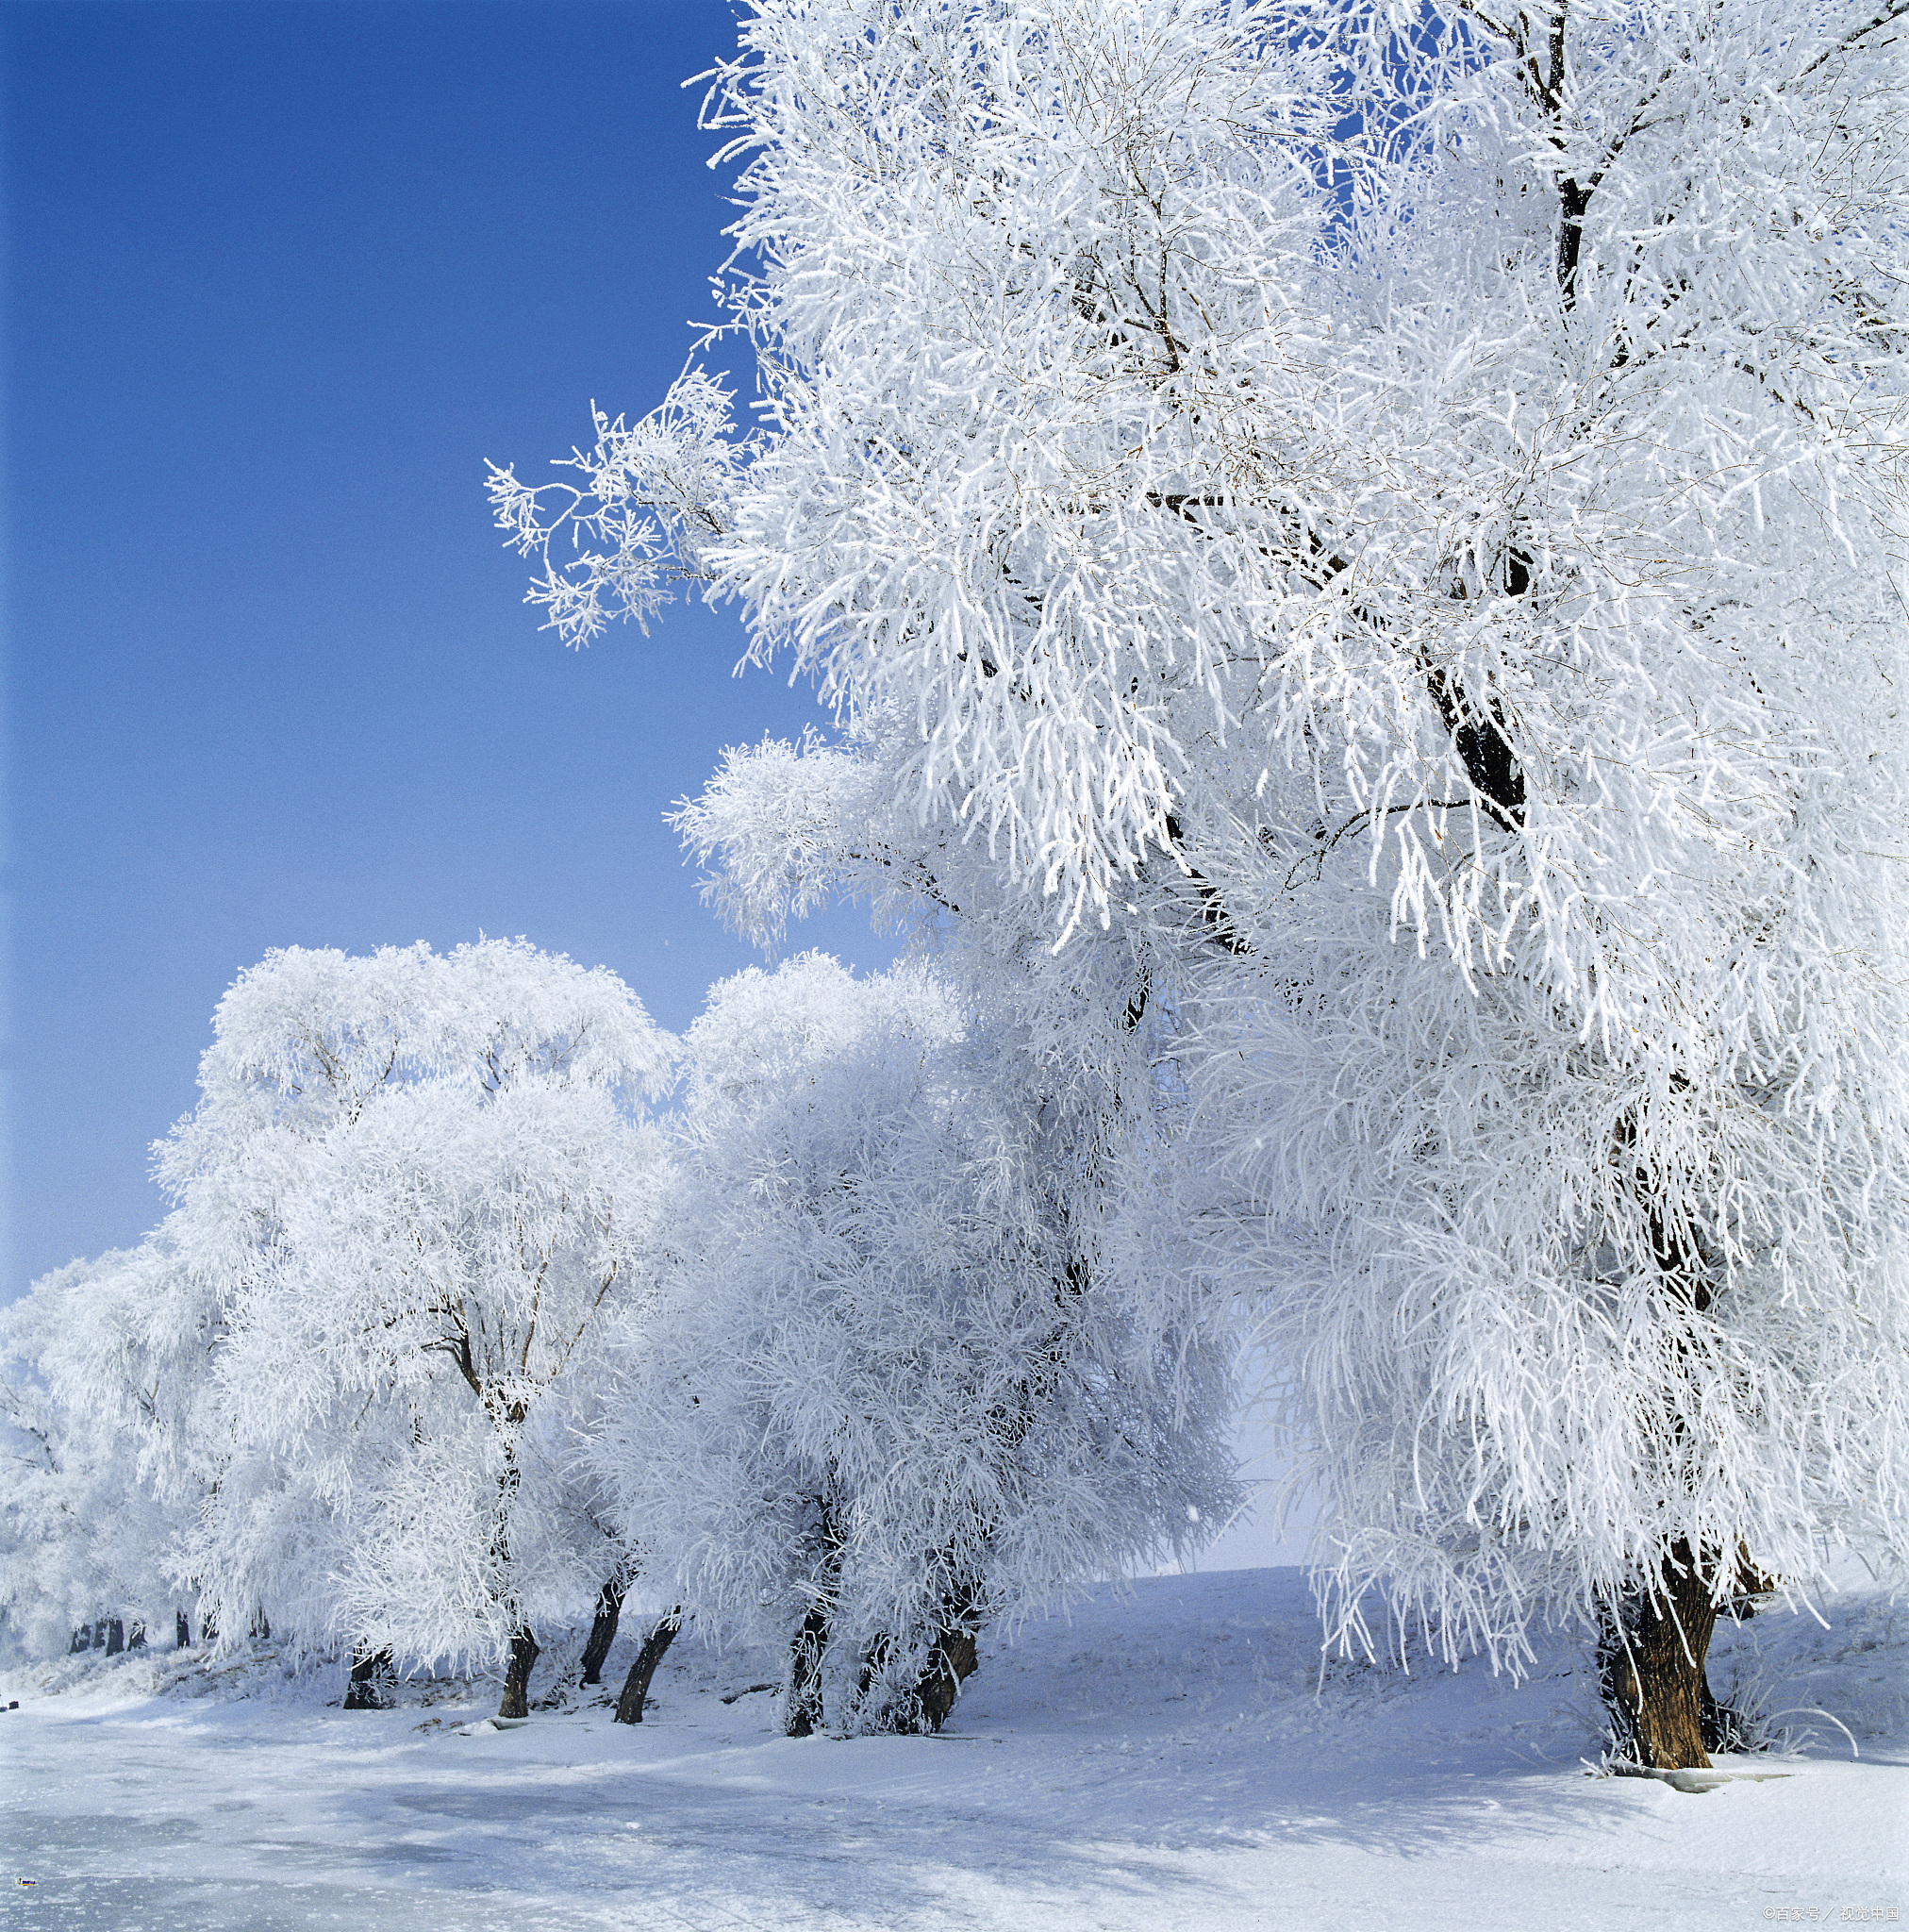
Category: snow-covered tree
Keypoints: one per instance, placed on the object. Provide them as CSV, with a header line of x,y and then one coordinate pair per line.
x,y
418,1183
899,1382
84,1530
1385,527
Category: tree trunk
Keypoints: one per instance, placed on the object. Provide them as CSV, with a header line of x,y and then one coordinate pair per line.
x,y
801,1704
136,1637
372,1671
524,1647
524,1653
924,1708
603,1630
802,1710
637,1685
182,1631
952,1661
82,1639
1650,1671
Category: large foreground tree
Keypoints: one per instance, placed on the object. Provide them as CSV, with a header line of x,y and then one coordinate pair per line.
x,y
1381,529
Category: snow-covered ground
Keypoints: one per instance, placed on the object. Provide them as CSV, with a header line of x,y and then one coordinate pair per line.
x,y
1165,1757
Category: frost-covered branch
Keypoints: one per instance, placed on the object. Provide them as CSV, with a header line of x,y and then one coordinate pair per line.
x,y
654,497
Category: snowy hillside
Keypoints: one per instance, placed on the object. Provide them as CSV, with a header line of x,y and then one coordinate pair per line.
x,y
1165,1758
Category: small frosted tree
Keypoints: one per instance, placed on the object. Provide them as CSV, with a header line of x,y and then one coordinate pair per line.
x,y
419,1183
85,1528
1386,524
899,1384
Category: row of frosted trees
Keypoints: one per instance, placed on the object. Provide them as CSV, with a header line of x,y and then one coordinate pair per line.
x,y
484,1303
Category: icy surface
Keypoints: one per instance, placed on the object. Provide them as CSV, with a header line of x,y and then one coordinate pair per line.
x,y
1166,1758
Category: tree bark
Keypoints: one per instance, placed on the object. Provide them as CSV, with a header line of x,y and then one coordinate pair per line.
x,y
637,1685
372,1671
802,1705
524,1653
136,1637
182,1631
603,1630
523,1645
952,1661
1573,200
926,1705
1491,765
1650,1671
802,1710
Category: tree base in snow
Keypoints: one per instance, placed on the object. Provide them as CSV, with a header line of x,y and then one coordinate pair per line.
x,y
373,1673
523,1656
1650,1673
637,1685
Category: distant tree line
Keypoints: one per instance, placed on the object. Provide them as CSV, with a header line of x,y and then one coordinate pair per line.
x,y
484,1303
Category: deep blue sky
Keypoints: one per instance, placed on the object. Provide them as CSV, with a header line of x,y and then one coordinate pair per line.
x,y
280,277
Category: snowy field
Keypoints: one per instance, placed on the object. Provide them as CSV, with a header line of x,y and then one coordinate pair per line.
x,y
1165,1758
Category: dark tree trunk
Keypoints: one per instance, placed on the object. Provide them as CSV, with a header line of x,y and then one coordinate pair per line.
x,y
523,1645
801,1712
1650,1671
803,1702
603,1631
261,1627
209,1627
182,1631
874,1662
926,1705
82,1639
115,1637
952,1661
371,1672
524,1653
1478,736
1573,200
637,1685
136,1637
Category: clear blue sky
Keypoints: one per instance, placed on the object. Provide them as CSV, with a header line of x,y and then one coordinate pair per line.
x,y
279,278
